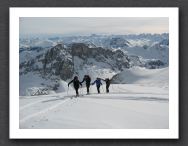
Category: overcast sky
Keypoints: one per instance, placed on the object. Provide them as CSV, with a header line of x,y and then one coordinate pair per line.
x,y
89,25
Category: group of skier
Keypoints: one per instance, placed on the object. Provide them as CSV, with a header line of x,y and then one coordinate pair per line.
x,y
87,80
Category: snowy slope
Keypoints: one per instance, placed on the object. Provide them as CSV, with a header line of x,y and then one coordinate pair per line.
x,y
138,104
33,84
139,108
93,68
137,75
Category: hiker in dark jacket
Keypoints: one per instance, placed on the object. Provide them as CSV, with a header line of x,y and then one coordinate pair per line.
x,y
108,82
76,84
87,79
98,84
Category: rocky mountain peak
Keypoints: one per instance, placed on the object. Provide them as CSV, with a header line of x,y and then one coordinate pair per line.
x,y
80,49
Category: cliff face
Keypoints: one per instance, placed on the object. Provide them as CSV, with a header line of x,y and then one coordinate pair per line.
x,y
59,61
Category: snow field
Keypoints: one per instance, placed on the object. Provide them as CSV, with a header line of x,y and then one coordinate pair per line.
x,y
141,103
119,109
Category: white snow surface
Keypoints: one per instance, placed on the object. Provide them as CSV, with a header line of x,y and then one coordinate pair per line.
x,y
134,105
30,84
93,68
138,75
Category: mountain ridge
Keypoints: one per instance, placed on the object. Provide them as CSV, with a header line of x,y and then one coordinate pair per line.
x,y
66,59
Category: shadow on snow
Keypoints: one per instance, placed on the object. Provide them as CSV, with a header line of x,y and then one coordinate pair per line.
x,y
101,96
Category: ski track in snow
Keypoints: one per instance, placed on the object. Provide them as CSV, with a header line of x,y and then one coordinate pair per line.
x,y
141,98
42,111
37,108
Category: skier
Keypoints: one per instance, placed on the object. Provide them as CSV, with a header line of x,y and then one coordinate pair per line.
x,y
98,84
76,84
87,79
108,82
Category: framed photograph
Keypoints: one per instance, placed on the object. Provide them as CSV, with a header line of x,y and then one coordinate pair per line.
x,y
101,73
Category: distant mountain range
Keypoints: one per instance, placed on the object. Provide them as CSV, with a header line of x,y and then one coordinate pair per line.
x,y
60,58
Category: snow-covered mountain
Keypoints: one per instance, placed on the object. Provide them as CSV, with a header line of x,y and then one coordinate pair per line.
x,y
137,75
36,42
46,62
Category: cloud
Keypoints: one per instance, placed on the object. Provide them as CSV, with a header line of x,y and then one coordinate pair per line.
x,y
90,25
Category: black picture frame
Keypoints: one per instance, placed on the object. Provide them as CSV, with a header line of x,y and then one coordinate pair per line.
x,y
4,75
